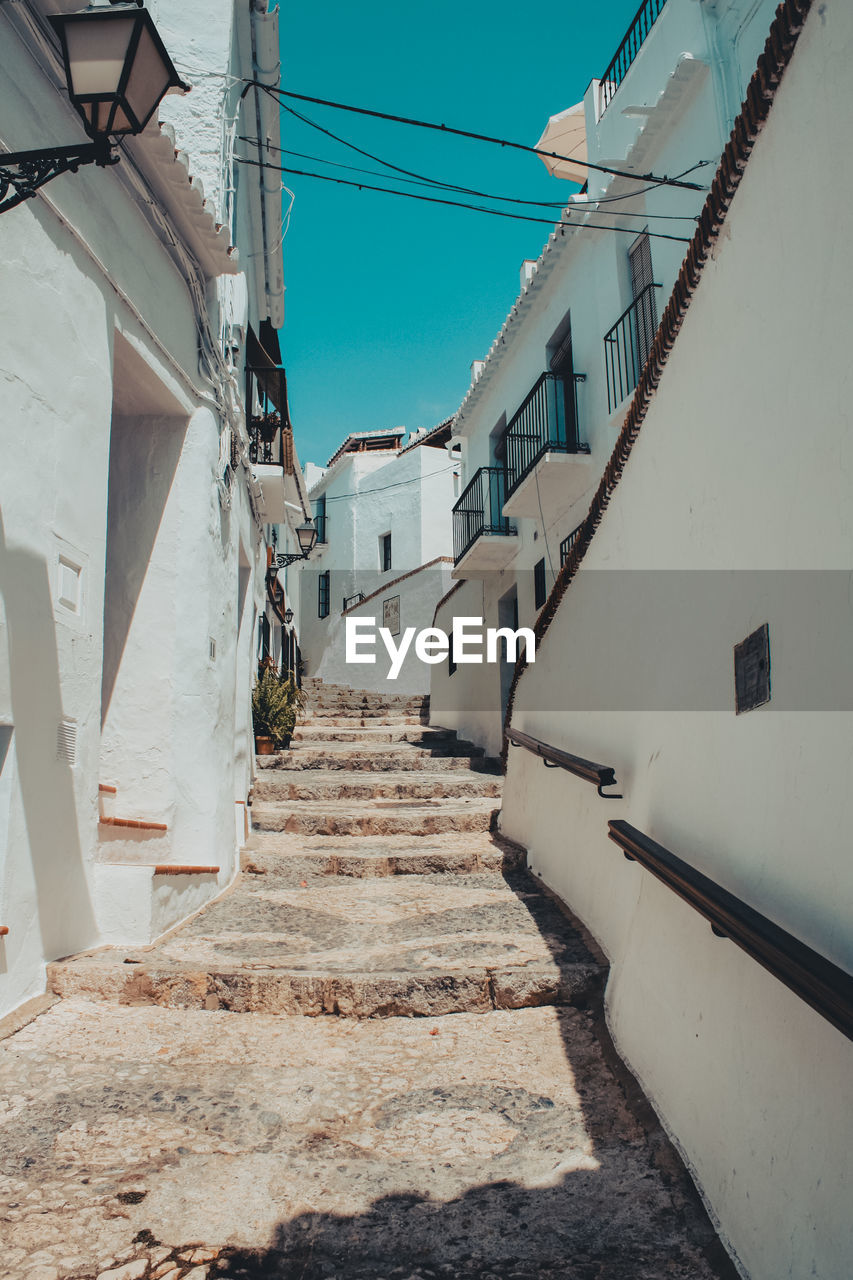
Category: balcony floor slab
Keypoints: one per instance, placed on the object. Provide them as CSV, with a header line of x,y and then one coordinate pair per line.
x,y
556,481
489,553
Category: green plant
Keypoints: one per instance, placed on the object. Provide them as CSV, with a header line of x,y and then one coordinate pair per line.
x,y
276,702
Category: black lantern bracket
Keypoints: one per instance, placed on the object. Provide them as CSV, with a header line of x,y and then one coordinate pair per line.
x,y
23,172
111,104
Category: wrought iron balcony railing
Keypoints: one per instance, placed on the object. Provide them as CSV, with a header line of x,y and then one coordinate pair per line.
x,y
567,544
480,510
267,415
644,20
627,345
547,420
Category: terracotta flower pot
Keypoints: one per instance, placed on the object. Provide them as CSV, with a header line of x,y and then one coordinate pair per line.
x,y
264,746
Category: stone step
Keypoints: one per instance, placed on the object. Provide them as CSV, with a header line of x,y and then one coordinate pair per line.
x,y
457,756
375,817
377,947
416,733
357,719
277,854
353,699
341,784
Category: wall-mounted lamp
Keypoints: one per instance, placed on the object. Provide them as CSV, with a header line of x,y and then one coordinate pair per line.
x,y
288,617
306,534
117,71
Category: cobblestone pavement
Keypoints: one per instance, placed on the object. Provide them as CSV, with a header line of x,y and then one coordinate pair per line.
x,y
140,1140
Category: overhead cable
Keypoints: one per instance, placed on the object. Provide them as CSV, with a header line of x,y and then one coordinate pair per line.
x,y
457,204
483,195
655,179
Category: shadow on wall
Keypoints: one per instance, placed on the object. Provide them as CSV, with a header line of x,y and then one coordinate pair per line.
x,y
65,915
144,456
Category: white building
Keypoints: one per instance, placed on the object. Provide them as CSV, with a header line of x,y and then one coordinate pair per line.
x,y
132,498
697,640
382,510
538,424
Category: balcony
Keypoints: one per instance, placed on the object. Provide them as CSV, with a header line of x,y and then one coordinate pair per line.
x,y
644,20
627,345
270,435
547,466
483,538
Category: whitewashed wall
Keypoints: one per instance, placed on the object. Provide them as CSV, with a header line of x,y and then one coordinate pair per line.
x,y
743,465
408,494
673,110
100,347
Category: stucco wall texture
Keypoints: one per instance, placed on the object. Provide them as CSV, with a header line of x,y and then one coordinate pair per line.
x,y
734,471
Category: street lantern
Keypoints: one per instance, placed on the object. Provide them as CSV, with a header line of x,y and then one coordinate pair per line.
x,y
116,67
288,617
117,70
306,534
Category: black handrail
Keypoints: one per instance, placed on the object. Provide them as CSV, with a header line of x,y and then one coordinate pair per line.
x,y
480,510
816,980
628,343
644,20
601,775
546,420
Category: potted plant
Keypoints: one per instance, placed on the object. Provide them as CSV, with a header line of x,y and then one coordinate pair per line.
x,y
276,702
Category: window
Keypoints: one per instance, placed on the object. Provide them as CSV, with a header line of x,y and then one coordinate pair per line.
x,y
320,517
385,552
323,594
263,638
539,589
643,293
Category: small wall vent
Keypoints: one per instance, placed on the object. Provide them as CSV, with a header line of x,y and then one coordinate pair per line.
x,y
66,742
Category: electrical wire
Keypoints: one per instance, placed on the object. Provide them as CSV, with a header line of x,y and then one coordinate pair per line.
x,y
456,204
655,179
339,497
484,195
468,191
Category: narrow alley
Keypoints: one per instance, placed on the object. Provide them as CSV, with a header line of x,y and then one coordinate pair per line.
x,y
457,1112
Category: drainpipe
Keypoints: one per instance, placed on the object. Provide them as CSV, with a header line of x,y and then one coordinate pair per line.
x,y
266,67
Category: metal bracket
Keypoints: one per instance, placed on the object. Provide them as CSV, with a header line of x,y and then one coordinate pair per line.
x,y
612,795
24,172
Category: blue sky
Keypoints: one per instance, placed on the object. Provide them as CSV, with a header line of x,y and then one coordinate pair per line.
x,y
388,299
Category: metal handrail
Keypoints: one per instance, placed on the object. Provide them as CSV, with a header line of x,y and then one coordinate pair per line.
x,y
547,419
627,345
816,980
632,42
480,510
600,775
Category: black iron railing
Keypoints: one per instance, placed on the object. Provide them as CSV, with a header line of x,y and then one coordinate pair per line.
x,y
547,420
267,415
567,544
811,976
644,20
628,343
480,510
351,601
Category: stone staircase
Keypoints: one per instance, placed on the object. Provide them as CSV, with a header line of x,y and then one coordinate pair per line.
x,y
202,1136
375,883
